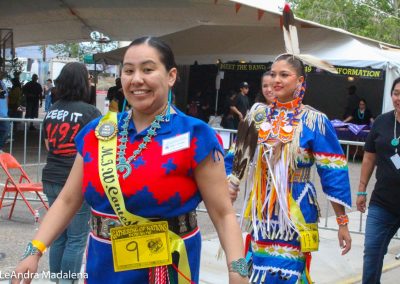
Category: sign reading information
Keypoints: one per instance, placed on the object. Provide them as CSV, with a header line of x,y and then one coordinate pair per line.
x,y
367,73
141,246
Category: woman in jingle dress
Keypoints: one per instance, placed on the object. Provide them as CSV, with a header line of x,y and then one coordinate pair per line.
x,y
159,164
281,206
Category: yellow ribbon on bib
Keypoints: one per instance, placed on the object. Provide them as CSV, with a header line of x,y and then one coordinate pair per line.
x,y
109,180
309,237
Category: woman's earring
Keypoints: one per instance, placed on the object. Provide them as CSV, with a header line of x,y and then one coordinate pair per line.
x,y
297,91
168,112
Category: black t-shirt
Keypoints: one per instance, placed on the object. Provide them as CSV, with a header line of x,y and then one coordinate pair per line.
x,y
387,188
242,104
361,118
32,91
61,125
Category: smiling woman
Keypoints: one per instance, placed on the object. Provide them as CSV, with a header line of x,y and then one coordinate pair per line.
x,y
281,205
383,220
151,167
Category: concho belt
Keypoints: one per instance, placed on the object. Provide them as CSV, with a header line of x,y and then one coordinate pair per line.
x,y
181,225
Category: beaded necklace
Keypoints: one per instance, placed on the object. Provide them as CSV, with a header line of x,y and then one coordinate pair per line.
x,y
360,114
395,141
124,164
282,124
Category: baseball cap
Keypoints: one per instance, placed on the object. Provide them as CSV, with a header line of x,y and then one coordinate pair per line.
x,y
243,85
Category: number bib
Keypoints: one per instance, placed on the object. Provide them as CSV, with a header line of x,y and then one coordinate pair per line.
x,y
309,238
141,246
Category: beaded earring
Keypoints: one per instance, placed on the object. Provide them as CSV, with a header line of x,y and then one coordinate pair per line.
x,y
123,105
297,91
168,112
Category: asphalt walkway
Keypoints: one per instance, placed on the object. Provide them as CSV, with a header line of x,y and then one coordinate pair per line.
x,y
328,266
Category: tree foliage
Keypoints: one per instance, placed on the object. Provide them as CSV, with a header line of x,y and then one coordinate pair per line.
x,y
376,19
78,50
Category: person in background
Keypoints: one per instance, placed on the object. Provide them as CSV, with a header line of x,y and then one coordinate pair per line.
x,y
47,94
15,99
92,92
266,88
228,119
266,96
4,125
381,149
361,115
242,104
115,95
198,106
277,146
352,101
152,163
61,124
33,96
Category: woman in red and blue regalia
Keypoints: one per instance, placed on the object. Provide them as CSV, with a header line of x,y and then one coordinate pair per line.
x,y
152,163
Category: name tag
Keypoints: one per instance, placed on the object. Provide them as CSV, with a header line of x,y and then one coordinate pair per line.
x,y
141,246
175,144
396,160
309,238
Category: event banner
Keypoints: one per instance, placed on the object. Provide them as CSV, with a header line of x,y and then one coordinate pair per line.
x,y
361,72
260,67
366,73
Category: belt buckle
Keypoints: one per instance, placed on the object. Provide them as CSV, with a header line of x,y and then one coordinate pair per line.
x,y
193,219
182,223
106,225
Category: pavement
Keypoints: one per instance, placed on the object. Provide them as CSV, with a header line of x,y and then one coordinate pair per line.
x,y
327,266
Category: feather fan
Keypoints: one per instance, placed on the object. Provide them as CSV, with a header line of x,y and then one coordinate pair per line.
x,y
246,143
292,43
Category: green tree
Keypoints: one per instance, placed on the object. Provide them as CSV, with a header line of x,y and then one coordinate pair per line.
x,y
376,19
78,50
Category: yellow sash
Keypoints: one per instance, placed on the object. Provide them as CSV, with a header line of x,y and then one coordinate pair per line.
x,y
309,237
109,180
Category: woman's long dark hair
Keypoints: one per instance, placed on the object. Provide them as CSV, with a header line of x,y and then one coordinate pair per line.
x,y
166,54
73,83
296,63
395,82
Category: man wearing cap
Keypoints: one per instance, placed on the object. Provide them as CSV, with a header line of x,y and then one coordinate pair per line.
x,y
242,104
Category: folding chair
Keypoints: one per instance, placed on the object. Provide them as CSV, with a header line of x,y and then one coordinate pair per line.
x,y
24,184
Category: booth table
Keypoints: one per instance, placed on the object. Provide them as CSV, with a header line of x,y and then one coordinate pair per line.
x,y
346,132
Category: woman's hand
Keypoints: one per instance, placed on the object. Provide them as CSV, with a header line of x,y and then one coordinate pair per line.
x,y
26,268
361,203
236,278
344,239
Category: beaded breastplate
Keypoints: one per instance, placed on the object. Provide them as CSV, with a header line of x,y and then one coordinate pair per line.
x,y
280,123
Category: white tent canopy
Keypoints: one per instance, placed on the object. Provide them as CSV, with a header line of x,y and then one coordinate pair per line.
x,y
207,43
60,21
202,30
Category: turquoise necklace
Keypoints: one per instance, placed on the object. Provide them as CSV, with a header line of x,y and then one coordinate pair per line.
x,y
124,164
360,114
395,141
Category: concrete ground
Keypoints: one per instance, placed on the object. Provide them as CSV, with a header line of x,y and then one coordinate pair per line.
x,y
328,266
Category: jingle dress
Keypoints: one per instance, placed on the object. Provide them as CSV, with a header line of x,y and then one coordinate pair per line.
x,y
161,185
268,211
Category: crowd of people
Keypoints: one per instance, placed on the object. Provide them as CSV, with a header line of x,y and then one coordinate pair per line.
x,y
99,203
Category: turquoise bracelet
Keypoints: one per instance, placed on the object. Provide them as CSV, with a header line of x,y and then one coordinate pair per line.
x,y
364,193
